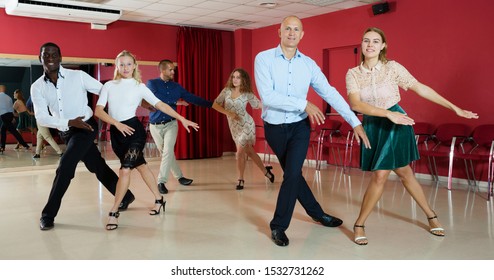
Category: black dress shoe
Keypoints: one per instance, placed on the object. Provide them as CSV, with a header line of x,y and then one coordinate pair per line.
x,y
162,188
279,237
46,224
125,204
185,181
328,221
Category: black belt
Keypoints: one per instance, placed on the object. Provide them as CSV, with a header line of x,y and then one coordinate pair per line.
x,y
163,122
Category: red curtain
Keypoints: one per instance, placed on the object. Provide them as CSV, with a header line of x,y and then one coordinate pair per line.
x,y
199,59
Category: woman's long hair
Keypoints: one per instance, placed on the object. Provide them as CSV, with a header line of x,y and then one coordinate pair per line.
x,y
136,74
19,95
245,85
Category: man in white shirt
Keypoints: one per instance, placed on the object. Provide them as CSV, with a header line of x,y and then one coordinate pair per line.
x,y
60,101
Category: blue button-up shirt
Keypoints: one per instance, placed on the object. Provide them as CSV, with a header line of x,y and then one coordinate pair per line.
x,y
283,86
5,104
170,92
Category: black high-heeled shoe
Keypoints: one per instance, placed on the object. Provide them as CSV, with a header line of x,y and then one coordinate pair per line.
x,y
240,185
162,203
2,150
269,174
113,226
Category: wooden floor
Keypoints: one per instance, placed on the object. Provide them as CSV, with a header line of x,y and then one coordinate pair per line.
x,y
210,220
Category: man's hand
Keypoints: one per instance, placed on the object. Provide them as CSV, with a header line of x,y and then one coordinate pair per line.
x,y
314,113
362,136
79,123
182,103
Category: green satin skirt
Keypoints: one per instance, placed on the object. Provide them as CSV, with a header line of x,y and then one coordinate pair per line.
x,y
393,145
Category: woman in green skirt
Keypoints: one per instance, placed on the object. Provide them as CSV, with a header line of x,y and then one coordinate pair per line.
x,y
373,90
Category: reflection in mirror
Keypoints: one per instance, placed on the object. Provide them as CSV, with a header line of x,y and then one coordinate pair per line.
x,y
19,72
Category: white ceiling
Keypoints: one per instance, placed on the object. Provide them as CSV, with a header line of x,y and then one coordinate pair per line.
x,y
246,14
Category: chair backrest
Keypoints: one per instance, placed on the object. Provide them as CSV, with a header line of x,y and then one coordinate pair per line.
x,y
326,129
423,131
328,125
347,134
445,132
260,132
423,128
483,135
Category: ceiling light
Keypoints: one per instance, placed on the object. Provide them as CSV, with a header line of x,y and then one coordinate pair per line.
x,y
322,3
268,4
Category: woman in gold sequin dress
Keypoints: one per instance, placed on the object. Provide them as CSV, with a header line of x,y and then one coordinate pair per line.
x,y
232,101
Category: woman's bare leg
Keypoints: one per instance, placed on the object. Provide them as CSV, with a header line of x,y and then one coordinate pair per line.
x,y
415,190
371,197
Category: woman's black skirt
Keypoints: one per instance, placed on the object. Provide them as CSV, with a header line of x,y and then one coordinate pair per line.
x,y
129,148
393,145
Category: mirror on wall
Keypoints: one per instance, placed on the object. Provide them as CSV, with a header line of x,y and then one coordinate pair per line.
x,y
20,73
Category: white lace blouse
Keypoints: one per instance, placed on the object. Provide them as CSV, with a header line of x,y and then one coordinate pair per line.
x,y
379,86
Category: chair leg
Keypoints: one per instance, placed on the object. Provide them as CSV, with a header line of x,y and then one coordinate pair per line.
x,y
266,153
474,179
319,156
490,173
451,157
429,165
436,174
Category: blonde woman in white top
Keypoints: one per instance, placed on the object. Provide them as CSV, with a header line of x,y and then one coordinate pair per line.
x,y
128,137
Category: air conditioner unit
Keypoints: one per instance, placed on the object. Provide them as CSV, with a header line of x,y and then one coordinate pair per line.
x,y
58,11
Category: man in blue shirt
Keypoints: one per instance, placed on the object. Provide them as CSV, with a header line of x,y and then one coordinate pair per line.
x,y
283,76
163,128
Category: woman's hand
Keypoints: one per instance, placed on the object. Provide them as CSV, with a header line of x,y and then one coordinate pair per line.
x,y
399,118
466,114
186,123
233,115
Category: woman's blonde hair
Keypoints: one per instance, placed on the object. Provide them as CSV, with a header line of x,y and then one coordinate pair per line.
x,y
382,54
136,74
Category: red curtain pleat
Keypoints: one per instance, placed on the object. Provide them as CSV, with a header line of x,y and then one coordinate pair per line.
x,y
199,69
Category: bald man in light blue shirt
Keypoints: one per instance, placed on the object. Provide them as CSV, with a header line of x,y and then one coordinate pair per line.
x,y
283,76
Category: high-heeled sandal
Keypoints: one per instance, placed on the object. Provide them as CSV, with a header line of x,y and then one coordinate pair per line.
x,y
2,150
269,174
361,240
437,231
162,203
17,147
113,226
240,185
